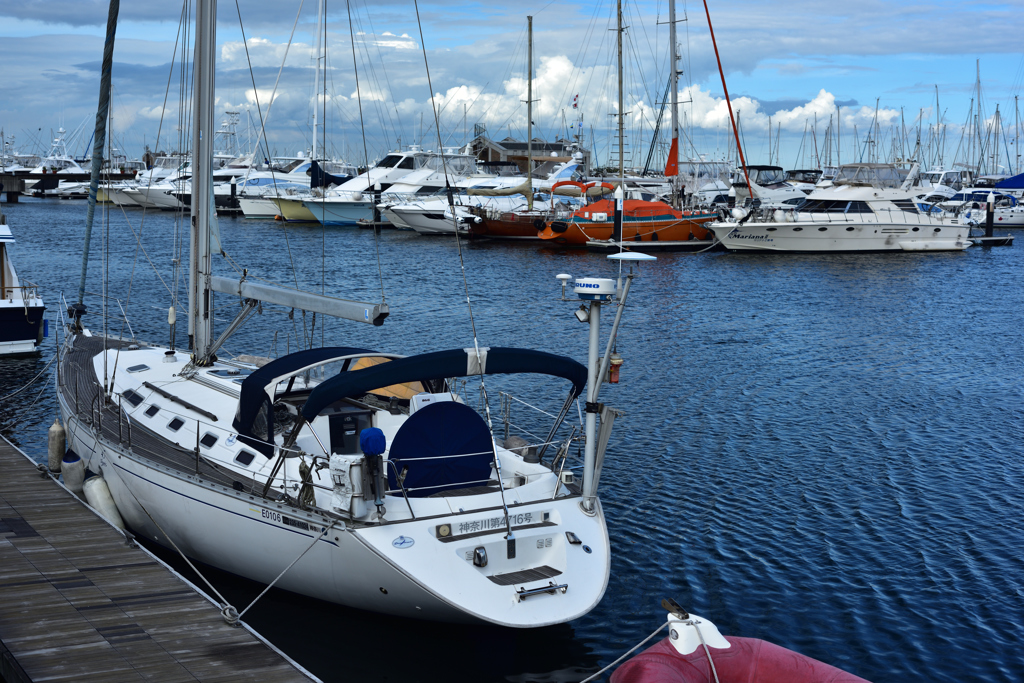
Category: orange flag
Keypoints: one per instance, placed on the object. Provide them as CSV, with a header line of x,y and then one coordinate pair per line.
x,y
672,165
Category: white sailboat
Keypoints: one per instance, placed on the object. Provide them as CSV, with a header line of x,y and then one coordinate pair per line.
x,y
424,513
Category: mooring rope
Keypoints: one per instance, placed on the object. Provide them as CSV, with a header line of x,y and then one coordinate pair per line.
x,y
627,653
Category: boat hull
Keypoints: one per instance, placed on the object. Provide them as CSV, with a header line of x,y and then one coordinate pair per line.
x,y
21,329
258,207
405,567
832,237
641,222
339,212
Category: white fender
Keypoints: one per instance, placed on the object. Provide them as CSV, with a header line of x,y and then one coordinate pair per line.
x,y
73,469
97,494
56,445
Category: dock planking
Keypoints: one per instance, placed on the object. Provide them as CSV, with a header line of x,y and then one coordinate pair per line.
x,y
78,603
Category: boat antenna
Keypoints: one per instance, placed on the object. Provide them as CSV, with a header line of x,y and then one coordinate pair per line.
x,y
509,536
99,136
728,102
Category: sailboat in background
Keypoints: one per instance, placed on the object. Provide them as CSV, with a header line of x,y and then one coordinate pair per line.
x,y
427,515
645,223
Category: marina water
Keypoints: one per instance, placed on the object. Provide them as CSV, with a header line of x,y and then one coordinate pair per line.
x,y
823,451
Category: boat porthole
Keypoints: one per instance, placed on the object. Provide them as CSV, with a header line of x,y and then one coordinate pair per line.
x,y
850,229
938,229
673,634
916,229
587,549
772,229
822,229
383,590
797,229
336,538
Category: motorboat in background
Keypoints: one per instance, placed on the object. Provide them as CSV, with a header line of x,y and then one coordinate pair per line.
x,y
869,207
355,201
258,190
22,325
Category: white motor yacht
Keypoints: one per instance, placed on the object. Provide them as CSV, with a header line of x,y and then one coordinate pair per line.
x,y
869,207
354,201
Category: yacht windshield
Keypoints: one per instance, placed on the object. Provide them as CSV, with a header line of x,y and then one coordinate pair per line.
x,y
390,161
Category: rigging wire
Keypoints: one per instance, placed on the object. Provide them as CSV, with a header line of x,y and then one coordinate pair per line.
x,y
465,283
362,129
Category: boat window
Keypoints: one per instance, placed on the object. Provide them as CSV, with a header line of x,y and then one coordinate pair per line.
x,y
797,229
858,207
208,440
390,161
906,205
824,206
850,229
138,368
822,229
152,410
244,458
407,163
175,424
131,397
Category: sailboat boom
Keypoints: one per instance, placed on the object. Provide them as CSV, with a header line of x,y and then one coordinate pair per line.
x,y
373,313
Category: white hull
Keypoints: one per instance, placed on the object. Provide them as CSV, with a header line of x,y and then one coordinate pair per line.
x,y
336,212
257,207
119,197
425,222
358,564
808,236
18,347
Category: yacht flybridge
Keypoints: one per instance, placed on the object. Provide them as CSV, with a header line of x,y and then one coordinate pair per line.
x,y
351,475
869,207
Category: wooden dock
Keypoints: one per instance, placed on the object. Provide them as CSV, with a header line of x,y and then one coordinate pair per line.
x,y
78,603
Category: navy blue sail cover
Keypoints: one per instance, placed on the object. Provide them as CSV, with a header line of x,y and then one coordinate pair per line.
x,y
444,445
254,419
1012,183
441,365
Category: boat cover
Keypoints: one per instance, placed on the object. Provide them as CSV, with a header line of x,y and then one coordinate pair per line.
x,y
747,660
1012,183
442,446
318,177
254,419
441,365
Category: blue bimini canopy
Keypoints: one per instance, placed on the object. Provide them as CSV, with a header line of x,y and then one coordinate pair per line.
x,y
442,446
441,365
1012,183
254,419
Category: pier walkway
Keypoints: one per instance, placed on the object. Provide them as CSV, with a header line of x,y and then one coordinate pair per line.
x,y
78,603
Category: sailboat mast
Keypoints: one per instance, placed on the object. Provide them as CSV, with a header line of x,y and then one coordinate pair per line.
x,y
316,76
529,114
728,102
200,315
622,114
674,78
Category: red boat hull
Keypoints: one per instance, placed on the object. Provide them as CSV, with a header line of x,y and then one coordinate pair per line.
x,y
748,660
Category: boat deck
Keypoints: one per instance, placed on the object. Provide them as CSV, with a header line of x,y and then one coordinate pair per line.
x,y
82,391
77,603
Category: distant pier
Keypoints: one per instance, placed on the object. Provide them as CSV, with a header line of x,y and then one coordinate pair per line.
x,y
79,603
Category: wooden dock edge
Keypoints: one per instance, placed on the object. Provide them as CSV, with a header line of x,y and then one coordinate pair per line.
x,y
11,671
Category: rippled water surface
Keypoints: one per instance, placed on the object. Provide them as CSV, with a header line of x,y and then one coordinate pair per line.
x,y
822,451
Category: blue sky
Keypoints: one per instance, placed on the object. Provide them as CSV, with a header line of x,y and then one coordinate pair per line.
x,y
790,60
